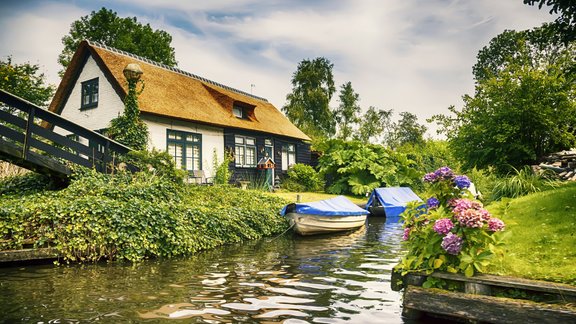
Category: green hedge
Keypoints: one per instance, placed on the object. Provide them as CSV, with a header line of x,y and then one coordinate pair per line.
x,y
133,217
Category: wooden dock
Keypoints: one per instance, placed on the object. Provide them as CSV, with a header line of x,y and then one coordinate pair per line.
x,y
487,299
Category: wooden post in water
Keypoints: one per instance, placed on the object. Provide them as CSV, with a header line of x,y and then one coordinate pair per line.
x,y
412,280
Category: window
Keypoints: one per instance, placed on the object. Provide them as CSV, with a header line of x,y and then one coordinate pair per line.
x,y
238,111
269,148
89,94
185,148
245,151
288,156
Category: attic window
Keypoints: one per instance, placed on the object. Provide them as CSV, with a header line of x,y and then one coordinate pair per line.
x,y
243,110
238,111
89,94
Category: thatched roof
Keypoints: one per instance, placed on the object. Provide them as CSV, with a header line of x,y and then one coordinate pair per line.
x,y
173,93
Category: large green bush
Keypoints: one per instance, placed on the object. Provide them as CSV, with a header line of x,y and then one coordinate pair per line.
x,y
302,177
135,216
357,168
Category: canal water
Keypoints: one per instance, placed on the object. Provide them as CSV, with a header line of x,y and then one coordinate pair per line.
x,y
342,278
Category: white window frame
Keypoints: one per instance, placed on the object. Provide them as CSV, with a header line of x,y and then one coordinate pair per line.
x,y
245,151
288,156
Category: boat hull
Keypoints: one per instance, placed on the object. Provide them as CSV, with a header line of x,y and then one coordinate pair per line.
x,y
305,224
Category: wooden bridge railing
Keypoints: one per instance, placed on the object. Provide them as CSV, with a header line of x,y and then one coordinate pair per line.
x,y
28,139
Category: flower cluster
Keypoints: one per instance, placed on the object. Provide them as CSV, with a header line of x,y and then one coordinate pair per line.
x,y
443,226
432,203
452,243
446,174
470,213
462,182
455,230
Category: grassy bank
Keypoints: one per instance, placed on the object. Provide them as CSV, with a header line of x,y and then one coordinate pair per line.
x,y
543,240
131,217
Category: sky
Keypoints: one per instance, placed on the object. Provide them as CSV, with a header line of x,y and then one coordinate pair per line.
x,y
407,55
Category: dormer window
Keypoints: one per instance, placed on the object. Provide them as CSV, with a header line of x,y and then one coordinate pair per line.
x,y
89,94
238,112
243,110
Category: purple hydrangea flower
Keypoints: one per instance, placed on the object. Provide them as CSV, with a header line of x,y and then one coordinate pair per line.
x,y
462,182
432,203
443,226
452,243
430,177
406,234
444,173
495,225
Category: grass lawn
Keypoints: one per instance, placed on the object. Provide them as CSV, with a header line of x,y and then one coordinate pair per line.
x,y
314,196
543,241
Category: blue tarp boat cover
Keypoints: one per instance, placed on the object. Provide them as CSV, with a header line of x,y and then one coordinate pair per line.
x,y
393,199
338,206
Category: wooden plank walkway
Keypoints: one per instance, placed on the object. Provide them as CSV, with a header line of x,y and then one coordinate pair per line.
x,y
487,298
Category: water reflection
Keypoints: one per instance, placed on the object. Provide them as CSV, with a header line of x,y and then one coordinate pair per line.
x,y
289,279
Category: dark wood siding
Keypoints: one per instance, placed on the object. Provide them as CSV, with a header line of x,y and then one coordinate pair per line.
x,y
302,151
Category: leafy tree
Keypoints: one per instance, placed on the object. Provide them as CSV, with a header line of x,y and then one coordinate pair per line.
x,y
536,48
346,114
308,104
406,131
430,155
25,81
372,124
524,102
104,26
514,118
565,24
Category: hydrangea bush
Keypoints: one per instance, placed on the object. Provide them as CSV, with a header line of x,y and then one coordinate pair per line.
x,y
454,233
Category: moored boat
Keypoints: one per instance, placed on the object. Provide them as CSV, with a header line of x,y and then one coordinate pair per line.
x,y
325,216
390,202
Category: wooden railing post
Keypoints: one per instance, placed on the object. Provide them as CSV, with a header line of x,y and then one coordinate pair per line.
x,y
28,132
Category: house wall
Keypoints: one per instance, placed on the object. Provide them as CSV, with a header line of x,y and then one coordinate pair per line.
x,y
302,152
212,138
109,103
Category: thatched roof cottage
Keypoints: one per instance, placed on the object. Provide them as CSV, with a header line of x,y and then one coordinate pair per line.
x,y
187,115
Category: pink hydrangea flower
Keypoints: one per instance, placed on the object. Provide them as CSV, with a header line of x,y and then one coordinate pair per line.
x,y
495,225
406,234
443,226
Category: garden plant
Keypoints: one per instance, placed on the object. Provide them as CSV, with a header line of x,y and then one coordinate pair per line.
x,y
453,232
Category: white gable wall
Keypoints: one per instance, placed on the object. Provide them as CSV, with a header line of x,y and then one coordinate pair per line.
x,y
109,103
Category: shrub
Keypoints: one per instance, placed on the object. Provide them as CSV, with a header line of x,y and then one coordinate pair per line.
x,y
523,182
357,168
155,162
302,177
222,172
454,233
132,217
